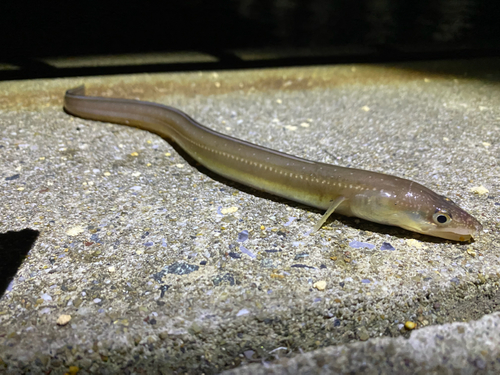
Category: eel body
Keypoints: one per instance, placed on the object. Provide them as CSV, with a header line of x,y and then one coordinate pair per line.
x,y
373,196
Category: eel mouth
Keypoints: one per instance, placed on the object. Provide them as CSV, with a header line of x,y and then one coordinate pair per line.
x,y
459,234
462,234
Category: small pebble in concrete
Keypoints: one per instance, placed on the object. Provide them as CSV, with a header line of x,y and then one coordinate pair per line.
x,y
242,236
479,190
415,243
301,255
227,210
244,250
363,334
11,178
320,285
242,312
267,263
63,320
277,276
301,266
163,289
410,325
387,246
227,278
74,231
359,245
248,354
179,268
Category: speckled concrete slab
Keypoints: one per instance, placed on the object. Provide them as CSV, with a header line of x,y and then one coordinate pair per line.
x,y
147,262
454,348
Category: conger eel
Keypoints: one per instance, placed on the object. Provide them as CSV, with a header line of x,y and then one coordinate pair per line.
x,y
368,195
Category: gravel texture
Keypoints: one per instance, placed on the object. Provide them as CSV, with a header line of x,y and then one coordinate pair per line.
x,y
456,348
146,262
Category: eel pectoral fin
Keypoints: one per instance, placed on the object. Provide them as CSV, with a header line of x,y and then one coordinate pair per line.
x,y
333,206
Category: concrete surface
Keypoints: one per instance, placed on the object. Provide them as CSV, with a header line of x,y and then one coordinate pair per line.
x,y
165,268
456,348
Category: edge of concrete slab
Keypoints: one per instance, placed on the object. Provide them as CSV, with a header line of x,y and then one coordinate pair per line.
x,y
453,348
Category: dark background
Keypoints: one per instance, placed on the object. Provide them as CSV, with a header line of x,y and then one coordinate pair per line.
x,y
325,31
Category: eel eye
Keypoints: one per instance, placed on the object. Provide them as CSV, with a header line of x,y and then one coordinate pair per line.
x,y
441,217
